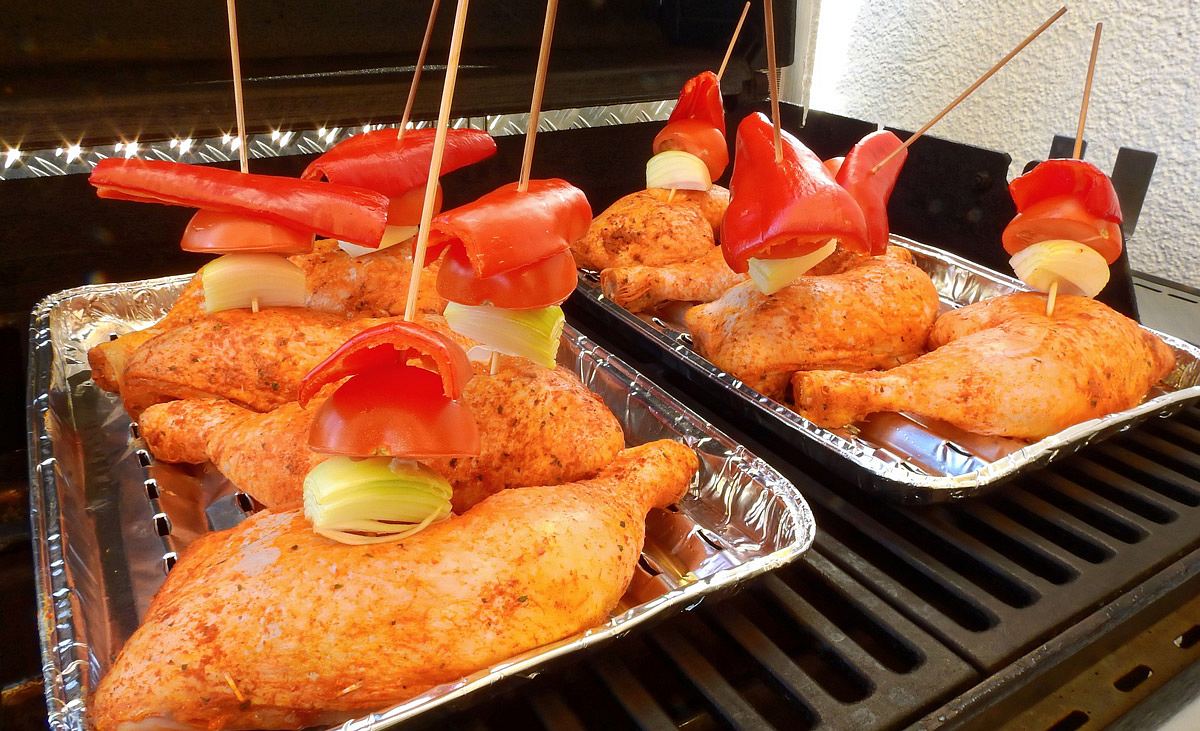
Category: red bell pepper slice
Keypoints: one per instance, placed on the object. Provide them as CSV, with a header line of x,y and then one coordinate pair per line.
x,y
378,161
779,211
1076,178
701,100
391,344
872,189
336,211
505,230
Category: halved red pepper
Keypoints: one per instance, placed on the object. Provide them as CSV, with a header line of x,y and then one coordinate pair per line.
x,y
872,189
1076,178
390,407
505,229
338,211
392,343
701,99
378,161
784,210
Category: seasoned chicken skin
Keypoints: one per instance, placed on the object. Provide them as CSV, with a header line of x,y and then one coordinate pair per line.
x,y
269,625
337,283
537,426
875,315
255,359
642,228
1001,367
645,288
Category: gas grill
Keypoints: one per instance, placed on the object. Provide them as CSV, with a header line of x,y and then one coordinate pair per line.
x,y
1067,599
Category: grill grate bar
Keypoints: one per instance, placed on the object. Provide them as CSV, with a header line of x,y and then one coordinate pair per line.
x,y
632,695
1038,508
1180,488
1166,449
721,696
552,710
1045,550
1121,490
1104,515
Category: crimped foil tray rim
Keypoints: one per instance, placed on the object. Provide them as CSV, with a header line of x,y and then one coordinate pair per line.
x,y
954,486
62,656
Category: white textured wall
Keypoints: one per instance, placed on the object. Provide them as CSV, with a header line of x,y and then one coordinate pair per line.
x,y
900,61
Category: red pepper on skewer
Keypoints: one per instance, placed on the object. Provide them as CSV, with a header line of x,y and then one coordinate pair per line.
x,y
378,161
327,209
1065,199
872,190
788,209
390,407
697,124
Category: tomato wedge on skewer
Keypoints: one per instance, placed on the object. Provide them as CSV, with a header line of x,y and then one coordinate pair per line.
x,y
210,232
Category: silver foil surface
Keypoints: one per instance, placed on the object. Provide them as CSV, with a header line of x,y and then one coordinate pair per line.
x,y
108,522
905,457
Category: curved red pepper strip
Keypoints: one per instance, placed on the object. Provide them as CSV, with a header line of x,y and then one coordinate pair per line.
x,y
337,211
392,343
778,211
1076,178
872,190
504,229
701,100
378,161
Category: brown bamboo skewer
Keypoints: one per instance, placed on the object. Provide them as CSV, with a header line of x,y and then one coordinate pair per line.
x,y
535,112
416,79
971,89
435,163
539,87
238,100
773,77
737,31
1052,295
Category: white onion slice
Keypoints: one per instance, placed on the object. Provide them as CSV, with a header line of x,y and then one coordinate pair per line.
x,y
772,275
679,170
1078,269
239,280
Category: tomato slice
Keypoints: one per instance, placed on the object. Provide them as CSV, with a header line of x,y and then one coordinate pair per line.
x,y
699,138
211,232
1066,218
391,344
541,284
405,210
394,411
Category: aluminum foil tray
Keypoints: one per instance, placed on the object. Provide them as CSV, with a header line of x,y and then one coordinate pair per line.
x,y
108,522
906,458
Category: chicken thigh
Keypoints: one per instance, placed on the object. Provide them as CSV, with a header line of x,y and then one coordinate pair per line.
x,y
875,315
1001,367
643,228
269,625
537,426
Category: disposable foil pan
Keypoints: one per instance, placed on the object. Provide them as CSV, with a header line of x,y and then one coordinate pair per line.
x,y
905,457
108,522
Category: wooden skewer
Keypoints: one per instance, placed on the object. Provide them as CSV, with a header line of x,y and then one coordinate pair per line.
x,y
254,304
539,86
670,195
737,30
1087,92
435,163
238,101
772,73
416,79
970,89
1083,109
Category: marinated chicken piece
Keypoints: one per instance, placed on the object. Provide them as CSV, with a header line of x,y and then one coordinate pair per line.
x,y
642,228
255,359
875,315
269,626
646,288
537,426
374,285
1002,368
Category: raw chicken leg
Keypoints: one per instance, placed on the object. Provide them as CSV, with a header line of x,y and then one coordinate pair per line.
x,y
269,625
537,426
642,228
1001,367
876,315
